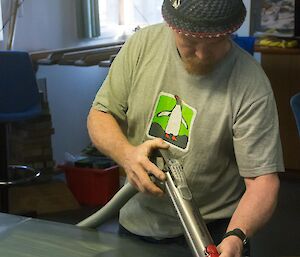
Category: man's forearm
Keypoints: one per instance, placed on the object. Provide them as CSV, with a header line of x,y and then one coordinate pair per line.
x,y
107,135
254,210
257,204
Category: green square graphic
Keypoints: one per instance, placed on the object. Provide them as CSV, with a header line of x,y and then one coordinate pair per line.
x,y
172,120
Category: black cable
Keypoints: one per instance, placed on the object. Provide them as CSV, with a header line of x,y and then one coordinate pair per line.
x,y
9,18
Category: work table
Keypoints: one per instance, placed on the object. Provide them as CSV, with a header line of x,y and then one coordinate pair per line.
x,y
23,237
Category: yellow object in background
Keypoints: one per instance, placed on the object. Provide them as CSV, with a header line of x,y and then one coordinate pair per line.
x,y
277,42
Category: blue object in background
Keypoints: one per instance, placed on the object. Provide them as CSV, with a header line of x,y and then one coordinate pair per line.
x,y
295,104
19,100
247,43
19,95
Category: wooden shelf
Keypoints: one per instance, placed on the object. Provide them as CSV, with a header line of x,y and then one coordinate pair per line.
x,y
276,50
283,69
82,56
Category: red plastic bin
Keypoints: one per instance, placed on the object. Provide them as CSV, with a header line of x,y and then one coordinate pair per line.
x,y
92,187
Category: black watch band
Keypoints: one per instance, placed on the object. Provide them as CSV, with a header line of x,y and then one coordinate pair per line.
x,y
239,233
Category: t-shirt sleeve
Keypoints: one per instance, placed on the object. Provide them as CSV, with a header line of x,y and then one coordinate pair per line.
x,y
112,96
256,138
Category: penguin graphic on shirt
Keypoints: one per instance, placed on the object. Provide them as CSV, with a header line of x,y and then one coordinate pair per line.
x,y
175,120
172,120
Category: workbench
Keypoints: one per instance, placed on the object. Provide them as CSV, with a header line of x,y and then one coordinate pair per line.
x,y
24,237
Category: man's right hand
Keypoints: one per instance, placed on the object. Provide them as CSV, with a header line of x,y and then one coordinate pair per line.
x,y
138,167
134,159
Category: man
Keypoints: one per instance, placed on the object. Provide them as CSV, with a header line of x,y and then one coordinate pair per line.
x,y
186,86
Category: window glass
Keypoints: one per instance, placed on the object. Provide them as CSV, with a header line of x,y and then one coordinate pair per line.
x,y
141,12
119,17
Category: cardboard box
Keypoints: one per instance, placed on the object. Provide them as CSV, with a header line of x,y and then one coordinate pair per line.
x,y
42,198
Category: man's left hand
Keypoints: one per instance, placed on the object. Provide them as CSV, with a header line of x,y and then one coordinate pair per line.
x,y
231,246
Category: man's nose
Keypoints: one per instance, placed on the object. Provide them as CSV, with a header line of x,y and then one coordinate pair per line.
x,y
202,52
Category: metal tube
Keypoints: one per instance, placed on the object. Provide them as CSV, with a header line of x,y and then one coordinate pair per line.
x,y
195,229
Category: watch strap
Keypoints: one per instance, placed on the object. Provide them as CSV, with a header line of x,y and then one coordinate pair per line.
x,y
238,233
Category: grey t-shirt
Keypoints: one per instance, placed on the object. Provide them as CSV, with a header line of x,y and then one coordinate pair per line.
x,y
222,126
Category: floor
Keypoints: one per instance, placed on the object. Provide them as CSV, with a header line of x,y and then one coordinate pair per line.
x,y
279,238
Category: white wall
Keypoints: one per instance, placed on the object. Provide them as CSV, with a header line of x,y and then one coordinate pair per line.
x,y
70,93
44,24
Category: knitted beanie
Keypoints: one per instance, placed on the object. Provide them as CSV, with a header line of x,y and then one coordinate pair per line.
x,y
204,18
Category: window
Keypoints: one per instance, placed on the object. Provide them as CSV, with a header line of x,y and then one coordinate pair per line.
x,y
122,17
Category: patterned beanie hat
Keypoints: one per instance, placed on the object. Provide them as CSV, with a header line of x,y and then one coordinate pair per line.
x,y
204,18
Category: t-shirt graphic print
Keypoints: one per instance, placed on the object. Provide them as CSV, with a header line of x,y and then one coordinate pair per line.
x,y
172,120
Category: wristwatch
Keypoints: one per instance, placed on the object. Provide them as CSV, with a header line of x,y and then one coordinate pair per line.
x,y
239,233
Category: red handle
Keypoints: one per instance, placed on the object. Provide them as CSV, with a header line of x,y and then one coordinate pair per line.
x,y
212,251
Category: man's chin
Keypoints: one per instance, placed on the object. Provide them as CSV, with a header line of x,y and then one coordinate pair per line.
x,y
199,69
